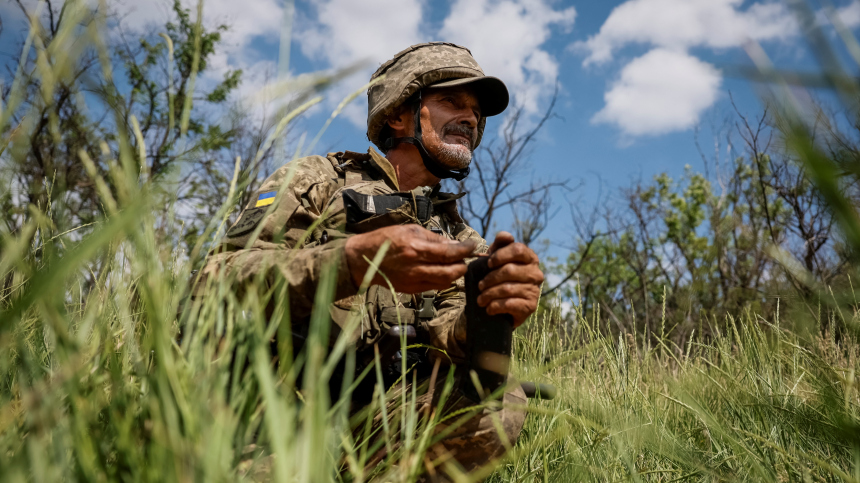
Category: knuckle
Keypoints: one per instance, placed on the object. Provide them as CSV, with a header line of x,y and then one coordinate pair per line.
x,y
491,279
522,251
499,292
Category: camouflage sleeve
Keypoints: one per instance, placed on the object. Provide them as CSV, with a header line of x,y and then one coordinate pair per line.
x,y
284,214
301,269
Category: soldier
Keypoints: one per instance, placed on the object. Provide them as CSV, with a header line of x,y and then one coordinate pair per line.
x,y
427,115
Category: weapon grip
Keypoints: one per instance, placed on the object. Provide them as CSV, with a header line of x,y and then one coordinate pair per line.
x,y
488,337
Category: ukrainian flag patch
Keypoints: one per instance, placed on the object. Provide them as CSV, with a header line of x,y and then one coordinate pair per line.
x,y
265,199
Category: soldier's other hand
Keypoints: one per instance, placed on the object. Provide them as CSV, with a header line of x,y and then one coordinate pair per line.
x,y
513,287
416,261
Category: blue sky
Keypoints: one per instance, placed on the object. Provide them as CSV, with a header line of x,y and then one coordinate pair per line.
x,y
638,77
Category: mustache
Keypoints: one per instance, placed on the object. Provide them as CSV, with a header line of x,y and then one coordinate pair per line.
x,y
459,129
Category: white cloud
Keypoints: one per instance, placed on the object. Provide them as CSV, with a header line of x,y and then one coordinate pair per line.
x,y
246,21
504,36
667,89
686,24
346,31
506,39
850,14
343,32
660,92
144,14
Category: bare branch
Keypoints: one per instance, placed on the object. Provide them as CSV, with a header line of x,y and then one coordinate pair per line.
x,y
491,189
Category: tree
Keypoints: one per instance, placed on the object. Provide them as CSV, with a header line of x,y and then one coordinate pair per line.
x,y
702,247
71,110
490,188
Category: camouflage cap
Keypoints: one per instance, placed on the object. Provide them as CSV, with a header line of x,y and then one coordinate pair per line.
x,y
436,64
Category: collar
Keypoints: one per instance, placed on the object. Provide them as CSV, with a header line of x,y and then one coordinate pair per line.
x,y
384,166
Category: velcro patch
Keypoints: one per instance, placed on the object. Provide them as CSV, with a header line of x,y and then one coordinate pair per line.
x,y
247,222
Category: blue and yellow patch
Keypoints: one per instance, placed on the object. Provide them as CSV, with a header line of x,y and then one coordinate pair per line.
x,y
265,199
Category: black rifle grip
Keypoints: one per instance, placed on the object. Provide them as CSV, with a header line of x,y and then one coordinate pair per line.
x,y
488,337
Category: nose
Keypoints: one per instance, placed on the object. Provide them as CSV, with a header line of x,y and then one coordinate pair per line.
x,y
469,119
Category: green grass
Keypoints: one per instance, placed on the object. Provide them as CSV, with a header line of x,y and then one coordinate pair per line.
x,y
99,388
109,372
757,403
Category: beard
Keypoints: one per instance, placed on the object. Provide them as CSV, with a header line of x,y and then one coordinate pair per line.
x,y
452,155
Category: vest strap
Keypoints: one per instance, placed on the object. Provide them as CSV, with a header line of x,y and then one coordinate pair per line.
x,y
436,168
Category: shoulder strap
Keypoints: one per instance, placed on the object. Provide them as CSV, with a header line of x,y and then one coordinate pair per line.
x,y
351,167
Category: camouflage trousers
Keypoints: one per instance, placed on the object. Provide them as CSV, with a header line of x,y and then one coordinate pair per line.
x,y
467,436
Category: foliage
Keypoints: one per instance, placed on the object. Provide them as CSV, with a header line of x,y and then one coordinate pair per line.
x,y
110,371
489,191
706,242
92,95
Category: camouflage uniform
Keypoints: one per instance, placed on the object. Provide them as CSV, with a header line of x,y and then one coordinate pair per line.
x,y
314,197
316,187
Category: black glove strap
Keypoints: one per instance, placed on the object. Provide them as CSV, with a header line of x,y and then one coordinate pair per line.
x,y
436,168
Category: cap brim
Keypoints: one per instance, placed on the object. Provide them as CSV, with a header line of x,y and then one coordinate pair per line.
x,y
491,91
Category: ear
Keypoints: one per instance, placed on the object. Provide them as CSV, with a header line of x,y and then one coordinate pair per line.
x,y
400,122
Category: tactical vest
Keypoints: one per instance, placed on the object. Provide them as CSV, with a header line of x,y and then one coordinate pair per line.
x,y
381,309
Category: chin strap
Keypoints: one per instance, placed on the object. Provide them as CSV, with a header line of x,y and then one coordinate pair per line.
x,y
436,168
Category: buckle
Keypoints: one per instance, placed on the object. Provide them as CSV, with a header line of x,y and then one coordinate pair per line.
x,y
427,310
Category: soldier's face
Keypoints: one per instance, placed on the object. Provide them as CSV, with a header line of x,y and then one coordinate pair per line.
x,y
449,124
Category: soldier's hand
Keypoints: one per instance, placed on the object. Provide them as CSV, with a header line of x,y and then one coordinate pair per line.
x,y
416,261
513,287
